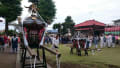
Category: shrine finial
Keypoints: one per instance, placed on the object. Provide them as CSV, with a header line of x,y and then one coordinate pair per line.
x,y
32,8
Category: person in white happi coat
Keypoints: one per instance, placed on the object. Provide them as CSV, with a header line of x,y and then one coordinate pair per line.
x,y
95,39
90,39
101,41
109,40
104,39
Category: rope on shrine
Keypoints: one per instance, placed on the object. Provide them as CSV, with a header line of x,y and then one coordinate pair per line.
x,y
43,36
41,18
41,43
24,38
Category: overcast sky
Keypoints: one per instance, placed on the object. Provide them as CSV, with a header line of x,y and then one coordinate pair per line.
x,y
2,25
81,10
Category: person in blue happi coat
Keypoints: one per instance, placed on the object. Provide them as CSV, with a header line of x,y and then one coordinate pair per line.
x,y
14,44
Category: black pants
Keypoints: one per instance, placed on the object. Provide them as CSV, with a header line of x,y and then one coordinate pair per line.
x,y
78,51
71,50
14,49
86,52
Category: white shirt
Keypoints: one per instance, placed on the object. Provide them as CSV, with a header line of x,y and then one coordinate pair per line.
x,y
110,38
56,41
101,38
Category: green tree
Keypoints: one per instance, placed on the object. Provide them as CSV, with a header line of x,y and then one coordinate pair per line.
x,y
10,9
46,9
68,24
63,28
68,19
57,26
12,32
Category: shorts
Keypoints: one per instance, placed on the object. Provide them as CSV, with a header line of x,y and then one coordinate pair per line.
x,y
55,46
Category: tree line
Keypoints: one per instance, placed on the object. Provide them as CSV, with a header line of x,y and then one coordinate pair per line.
x,y
65,27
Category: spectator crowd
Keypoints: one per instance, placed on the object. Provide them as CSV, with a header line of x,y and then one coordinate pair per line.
x,y
9,42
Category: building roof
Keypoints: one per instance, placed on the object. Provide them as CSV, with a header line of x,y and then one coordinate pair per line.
x,y
84,29
116,20
90,23
33,22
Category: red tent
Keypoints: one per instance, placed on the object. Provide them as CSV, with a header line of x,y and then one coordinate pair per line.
x,y
90,23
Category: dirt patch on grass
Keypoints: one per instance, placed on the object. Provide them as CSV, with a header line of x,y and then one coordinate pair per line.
x,y
69,65
72,65
113,66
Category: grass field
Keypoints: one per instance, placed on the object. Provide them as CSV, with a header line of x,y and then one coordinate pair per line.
x,y
102,59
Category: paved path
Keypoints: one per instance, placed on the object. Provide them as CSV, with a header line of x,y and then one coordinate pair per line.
x,y
10,60
7,59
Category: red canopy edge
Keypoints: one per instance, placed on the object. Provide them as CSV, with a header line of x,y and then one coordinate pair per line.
x,y
84,29
90,23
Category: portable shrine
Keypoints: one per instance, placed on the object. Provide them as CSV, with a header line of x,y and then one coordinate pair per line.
x,y
34,28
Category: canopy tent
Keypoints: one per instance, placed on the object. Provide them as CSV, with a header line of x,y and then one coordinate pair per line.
x,y
90,23
92,26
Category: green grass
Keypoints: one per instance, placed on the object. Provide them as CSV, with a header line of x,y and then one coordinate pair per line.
x,y
106,56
